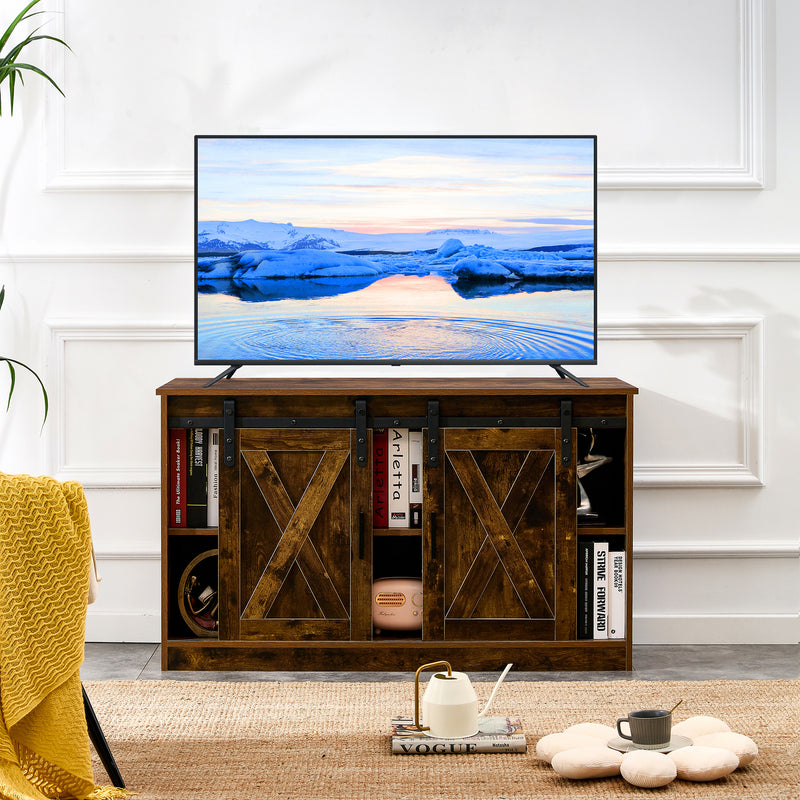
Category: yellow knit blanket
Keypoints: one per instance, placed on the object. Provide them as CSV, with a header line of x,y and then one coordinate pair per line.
x,y
45,545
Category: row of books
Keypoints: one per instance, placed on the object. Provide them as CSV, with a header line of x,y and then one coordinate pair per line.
x,y
601,590
193,477
396,478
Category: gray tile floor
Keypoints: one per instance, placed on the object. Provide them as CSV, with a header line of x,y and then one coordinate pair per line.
x,y
136,661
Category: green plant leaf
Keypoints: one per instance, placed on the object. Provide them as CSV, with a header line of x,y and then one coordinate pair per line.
x,y
11,362
13,381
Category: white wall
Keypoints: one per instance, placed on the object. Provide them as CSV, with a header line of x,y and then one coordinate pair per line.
x,y
695,106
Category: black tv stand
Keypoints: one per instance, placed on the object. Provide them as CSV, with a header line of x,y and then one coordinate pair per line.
x,y
227,374
565,373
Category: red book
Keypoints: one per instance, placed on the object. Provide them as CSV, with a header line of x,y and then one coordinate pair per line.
x,y
380,478
177,477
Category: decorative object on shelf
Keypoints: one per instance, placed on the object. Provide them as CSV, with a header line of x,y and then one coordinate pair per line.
x,y
590,462
198,600
11,68
450,705
397,604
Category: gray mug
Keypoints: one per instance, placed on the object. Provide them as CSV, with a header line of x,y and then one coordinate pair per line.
x,y
649,730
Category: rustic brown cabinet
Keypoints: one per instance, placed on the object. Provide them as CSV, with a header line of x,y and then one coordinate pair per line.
x,y
295,552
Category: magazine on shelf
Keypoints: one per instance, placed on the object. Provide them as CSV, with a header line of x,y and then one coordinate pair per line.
x,y
495,735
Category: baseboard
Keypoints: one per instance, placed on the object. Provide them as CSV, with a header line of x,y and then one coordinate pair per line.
x,y
122,626
716,629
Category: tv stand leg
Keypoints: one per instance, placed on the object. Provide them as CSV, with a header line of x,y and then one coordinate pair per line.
x,y
227,374
564,373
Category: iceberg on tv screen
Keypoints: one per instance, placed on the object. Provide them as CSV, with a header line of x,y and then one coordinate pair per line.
x,y
395,249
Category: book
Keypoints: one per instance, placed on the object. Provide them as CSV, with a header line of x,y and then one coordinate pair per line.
x,y
495,735
177,477
398,477
616,594
415,479
600,591
213,478
197,479
585,588
380,478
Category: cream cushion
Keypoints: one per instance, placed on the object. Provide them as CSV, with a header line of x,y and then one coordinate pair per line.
x,y
742,746
699,763
604,732
648,769
587,762
548,746
699,726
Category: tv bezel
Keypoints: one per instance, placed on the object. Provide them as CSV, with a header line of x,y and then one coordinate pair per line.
x,y
311,361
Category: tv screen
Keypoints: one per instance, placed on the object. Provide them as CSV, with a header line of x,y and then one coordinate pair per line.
x,y
395,249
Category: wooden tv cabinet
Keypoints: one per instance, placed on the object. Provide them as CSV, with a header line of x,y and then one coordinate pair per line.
x,y
295,551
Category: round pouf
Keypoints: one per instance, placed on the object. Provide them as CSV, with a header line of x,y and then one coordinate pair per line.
x,y
587,762
742,746
699,726
648,769
698,763
549,746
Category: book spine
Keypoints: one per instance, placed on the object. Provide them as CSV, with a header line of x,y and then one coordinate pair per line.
x,y
585,588
177,477
516,744
197,479
213,477
616,591
601,590
398,477
380,478
415,479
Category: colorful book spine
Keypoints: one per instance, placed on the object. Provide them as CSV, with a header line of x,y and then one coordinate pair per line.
x,y
380,478
415,479
585,588
197,479
213,478
600,590
616,595
177,477
398,477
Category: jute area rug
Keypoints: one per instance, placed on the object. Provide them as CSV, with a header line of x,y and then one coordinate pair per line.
x,y
177,740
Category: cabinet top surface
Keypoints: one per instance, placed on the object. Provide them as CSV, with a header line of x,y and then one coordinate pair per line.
x,y
395,386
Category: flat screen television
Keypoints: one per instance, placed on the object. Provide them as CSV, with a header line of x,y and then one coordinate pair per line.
x,y
395,250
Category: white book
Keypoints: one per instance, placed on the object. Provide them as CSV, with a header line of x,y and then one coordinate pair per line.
x,y
213,477
600,590
398,477
616,595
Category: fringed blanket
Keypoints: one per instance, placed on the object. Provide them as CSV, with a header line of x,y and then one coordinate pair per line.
x,y
45,546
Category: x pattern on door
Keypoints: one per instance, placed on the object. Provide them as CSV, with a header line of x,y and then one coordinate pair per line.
x,y
501,520
295,523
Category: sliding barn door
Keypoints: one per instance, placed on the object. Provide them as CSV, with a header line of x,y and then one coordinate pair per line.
x,y
500,507
294,534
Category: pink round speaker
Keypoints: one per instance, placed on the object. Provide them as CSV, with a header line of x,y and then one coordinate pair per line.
x,y
397,604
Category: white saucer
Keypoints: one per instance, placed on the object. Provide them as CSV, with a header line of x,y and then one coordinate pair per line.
x,y
626,746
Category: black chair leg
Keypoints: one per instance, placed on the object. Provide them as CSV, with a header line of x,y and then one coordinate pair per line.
x,y
100,743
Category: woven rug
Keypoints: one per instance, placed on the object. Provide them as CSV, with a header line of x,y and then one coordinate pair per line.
x,y
179,740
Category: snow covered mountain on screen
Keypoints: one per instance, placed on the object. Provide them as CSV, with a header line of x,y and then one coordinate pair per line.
x,y
221,237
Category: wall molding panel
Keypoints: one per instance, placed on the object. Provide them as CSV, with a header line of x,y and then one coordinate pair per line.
x,y
746,173
62,334
748,334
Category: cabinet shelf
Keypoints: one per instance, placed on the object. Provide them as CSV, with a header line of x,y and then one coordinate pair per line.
x,y
496,553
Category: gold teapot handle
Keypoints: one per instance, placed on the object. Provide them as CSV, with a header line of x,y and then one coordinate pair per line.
x,y
416,690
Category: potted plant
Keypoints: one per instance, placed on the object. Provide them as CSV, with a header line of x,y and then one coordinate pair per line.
x,y
12,70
